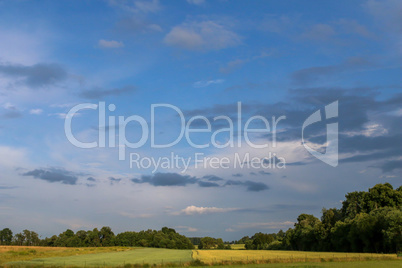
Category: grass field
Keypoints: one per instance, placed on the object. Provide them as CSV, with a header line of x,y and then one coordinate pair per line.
x,y
18,253
132,256
219,256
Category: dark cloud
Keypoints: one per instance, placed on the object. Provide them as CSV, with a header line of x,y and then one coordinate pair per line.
x,y
91,179
262,172
174,179
250,185
166,179
36,75
11,114
54,175
389,166
208,184
237,175
372,156
212,178
98,93
255,186
114,180
297,163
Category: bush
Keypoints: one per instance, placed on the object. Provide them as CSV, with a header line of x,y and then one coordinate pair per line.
x,y
197,262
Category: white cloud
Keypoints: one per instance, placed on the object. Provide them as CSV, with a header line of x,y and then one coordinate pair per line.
x,y
63,115
205,35
36,111
63,105
154,27
186,229
11,156
206,83
22,47
193,210
110,44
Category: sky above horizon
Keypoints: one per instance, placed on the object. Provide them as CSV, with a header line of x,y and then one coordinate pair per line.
x,y
154,64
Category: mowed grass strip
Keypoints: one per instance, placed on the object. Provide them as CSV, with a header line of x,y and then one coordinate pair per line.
x,y
217,256
23,253
133,256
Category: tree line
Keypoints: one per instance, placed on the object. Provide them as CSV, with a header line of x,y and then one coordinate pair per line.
x,y
367,222
164,238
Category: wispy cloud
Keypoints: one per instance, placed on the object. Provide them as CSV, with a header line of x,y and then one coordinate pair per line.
x,y
36,111
193,210
206,83
312,74
110,43
265,225
204,35
98,93
140,6
132,215
186,229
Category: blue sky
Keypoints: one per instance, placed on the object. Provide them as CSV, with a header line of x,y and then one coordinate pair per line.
x,y
275,58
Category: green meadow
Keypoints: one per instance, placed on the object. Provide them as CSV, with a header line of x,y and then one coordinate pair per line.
x,y
132,256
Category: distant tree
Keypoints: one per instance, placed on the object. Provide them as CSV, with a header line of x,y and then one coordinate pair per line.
x,y
6,236
106,237
19,239
207,243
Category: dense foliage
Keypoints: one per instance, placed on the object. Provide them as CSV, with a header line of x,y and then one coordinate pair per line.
x,y
367,222
212,243
165,238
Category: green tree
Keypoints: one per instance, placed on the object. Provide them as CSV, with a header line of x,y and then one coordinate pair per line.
x,y
106,237
6,236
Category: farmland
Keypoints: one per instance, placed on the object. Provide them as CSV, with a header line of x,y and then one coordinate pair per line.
x,y
122,256
357,264
22,253
111,257
219,256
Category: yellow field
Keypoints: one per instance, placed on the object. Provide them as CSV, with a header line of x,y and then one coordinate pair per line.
x,y
21,253
211,256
